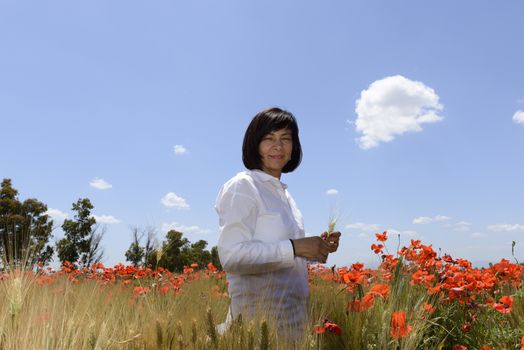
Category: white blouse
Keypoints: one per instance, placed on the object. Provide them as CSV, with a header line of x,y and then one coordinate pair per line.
x,y
257,217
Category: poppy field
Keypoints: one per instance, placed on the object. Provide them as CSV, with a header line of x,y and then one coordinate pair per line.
x,y
415,299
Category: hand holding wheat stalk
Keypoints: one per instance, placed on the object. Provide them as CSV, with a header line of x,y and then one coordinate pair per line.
x,y
332,236
331,226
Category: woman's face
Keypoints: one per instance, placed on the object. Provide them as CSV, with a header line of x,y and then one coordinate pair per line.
x,y
275,151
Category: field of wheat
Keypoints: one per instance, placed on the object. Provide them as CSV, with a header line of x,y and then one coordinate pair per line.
x,y
414,300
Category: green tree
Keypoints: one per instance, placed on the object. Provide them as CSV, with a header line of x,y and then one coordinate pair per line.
x,y
149,248
25,228
135,253
81,242
178,252
142,255
215,259
196,253
169,256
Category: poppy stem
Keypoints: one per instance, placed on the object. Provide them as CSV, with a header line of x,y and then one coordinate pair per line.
x,y
513,243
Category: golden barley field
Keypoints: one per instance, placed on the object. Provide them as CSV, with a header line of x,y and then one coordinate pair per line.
x,y
415,299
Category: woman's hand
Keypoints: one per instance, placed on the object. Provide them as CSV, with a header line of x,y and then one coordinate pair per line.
x,y
332,240
313,248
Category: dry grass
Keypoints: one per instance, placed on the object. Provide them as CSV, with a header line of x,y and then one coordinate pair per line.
x,y
68,311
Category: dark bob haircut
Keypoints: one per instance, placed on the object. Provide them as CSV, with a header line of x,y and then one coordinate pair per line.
x,y
266,121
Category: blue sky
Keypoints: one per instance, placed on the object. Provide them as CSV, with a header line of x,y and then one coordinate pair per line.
x,y
411,111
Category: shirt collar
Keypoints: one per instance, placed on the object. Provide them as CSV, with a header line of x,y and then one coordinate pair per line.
x,y
265,177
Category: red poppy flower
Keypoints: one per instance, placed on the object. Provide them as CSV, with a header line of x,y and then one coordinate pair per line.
x,y
399,328
380,290
382,237
362,305
163,290
140,290
429,308
377,248
352,277
211,267
332,328
466,327
504,305
319,329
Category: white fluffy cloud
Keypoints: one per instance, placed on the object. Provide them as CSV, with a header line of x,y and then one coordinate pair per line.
x,y
171,199
392,106
183,228
421,220
332,192
461,226
363,227
100,184
478,235
179,150
106,219
56,214
518,117
405,233
506,228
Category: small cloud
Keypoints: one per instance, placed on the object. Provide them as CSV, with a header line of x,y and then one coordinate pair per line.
x,y
478,235
461,226
183,228
422,220
106,219
172,200
100,184
360,226
393,106
506,228
179,150
332,192
518,117
56,214
405,233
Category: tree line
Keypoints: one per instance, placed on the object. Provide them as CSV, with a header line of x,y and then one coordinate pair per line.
x,y
26,233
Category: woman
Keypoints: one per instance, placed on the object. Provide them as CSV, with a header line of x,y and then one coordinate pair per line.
x,y
262,246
